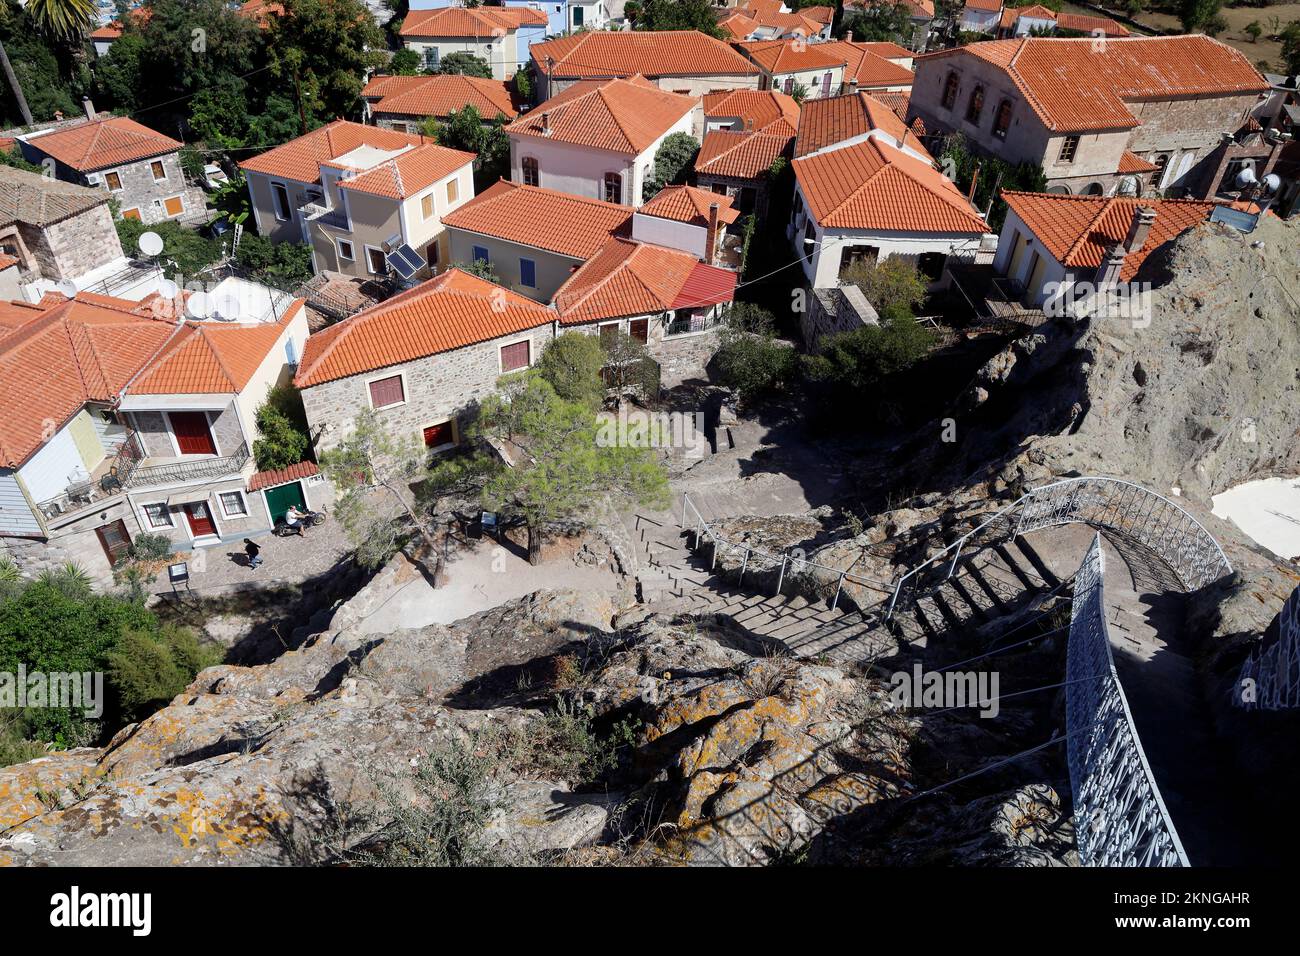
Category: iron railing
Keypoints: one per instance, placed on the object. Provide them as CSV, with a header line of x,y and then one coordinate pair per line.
x,y
1270,677
1129,510
1120,818
182,471
91,492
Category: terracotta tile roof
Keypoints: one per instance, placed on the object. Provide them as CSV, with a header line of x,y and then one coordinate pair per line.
x,y
282,476
768,111
212,358
868,68
447,312
740,155
987,6
470,21
890,51
896,100
871,186
39,200
741,23
1079,230
738,25
559,222
792,56
764,6
261,11
834,119
690,205
62,357
113,31
1075,88
7,260
1034,11
601,53
439,96
625,116
630,278
1132,163
300,159
99,144
823,15
1087,24
407,174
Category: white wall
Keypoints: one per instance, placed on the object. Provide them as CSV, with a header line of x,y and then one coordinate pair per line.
x,y
671,233
271,372
48,472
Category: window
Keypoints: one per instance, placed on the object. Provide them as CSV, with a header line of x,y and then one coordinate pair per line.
x,y
480,254
291,351
515,356
532,175
281,195
613,187
687,321
386,392
931,265
346,252
1002,121
789,85
431,58
375,261
113,181
130,213
453,191
233,504
431,255
1069,146
975,105
426,207
639,330
609,334
158,515
158,170
577,17
174,206
440,435
400,128
852,255
528,273
950,90
1157,174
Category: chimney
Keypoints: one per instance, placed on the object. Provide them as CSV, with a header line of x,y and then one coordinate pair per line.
x,y
711,235
1143,218
974,180
853,86
88,107
1111,264
546,124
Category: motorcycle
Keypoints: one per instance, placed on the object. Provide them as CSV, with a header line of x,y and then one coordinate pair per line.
x,y
310,520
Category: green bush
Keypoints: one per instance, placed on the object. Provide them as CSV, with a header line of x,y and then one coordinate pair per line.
x,y
150,547
891,285
283,435
572,364
147,669
751,361
283,264
184,250
854,365
674,160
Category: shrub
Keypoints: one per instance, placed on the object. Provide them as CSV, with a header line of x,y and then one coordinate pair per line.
x,y
283,264
888,285
750,359
146,670
854,365
674,160
150,547
572,364
283,435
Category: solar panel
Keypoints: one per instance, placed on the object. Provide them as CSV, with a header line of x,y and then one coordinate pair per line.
x,y
1236,218
405,261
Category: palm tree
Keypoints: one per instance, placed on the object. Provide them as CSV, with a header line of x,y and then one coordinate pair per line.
x,y
66,19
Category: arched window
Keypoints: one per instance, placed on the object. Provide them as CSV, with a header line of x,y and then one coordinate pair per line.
x,y
975,105
532,176
613,187
950,91
1094,189
1002,121
1157,174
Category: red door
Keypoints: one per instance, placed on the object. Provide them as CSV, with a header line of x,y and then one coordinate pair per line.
x,y
435,436
113,538
192,434
200,519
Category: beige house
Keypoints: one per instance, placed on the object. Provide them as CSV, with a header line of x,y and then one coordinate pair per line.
x,y
369,202
489,33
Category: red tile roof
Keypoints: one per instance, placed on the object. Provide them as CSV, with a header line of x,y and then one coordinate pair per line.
x,y
793,56
868,68
447,312
99,144
690,205
1132,163
469,21
987,6
625,116
1079,230
282,476
113,31
1074,87
834,119
439,95
823,15
768,111
606,53
7,260
890,51
741,23
300,159
871,186
632,278
407,174
1086,24
559,222
739,155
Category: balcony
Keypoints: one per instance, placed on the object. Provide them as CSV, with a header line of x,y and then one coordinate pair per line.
x,y
996,299
202,469
315,210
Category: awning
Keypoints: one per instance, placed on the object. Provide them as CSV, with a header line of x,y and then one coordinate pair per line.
x,y
187,497
705,286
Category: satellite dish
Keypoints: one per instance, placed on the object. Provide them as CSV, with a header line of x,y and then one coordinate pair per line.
x,y
67,288
168,289
227,307
199,305
151,244
1246,177
1272,182
1128,186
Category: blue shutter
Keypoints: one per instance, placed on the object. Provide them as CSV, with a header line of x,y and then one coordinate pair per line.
x,y
528,273
481,254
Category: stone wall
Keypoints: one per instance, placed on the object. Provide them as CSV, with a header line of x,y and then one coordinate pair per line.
x,y
140,190
73,246
437,388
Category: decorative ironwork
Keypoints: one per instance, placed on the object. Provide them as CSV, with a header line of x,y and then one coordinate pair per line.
x,y
1120,819
1270,677
179,471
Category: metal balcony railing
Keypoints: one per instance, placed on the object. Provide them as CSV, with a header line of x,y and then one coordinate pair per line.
x,y
125,455
179,471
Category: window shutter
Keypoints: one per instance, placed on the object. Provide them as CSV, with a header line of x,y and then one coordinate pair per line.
x,y
386,391
514,356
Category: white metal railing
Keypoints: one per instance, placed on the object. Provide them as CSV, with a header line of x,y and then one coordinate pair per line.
x,y
1120,818
1129,510
1270,677
759,560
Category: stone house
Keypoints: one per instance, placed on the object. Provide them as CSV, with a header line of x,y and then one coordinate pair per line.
x,y
746,131
872,67
791,65
405,103
489,33
1137,115
125,418
138,167
1023,21
421,360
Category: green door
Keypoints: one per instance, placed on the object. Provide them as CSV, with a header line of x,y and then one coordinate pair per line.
x,y
280,498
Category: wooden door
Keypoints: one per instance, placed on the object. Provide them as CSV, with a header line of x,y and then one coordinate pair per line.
x,y
193,437
199,517
174,206
639,329
435,436
113,538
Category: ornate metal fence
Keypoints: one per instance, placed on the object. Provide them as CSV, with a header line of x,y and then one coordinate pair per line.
x,y
1270,678
1120,819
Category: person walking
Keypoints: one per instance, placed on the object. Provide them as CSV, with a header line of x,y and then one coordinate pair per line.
x,y
254,553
